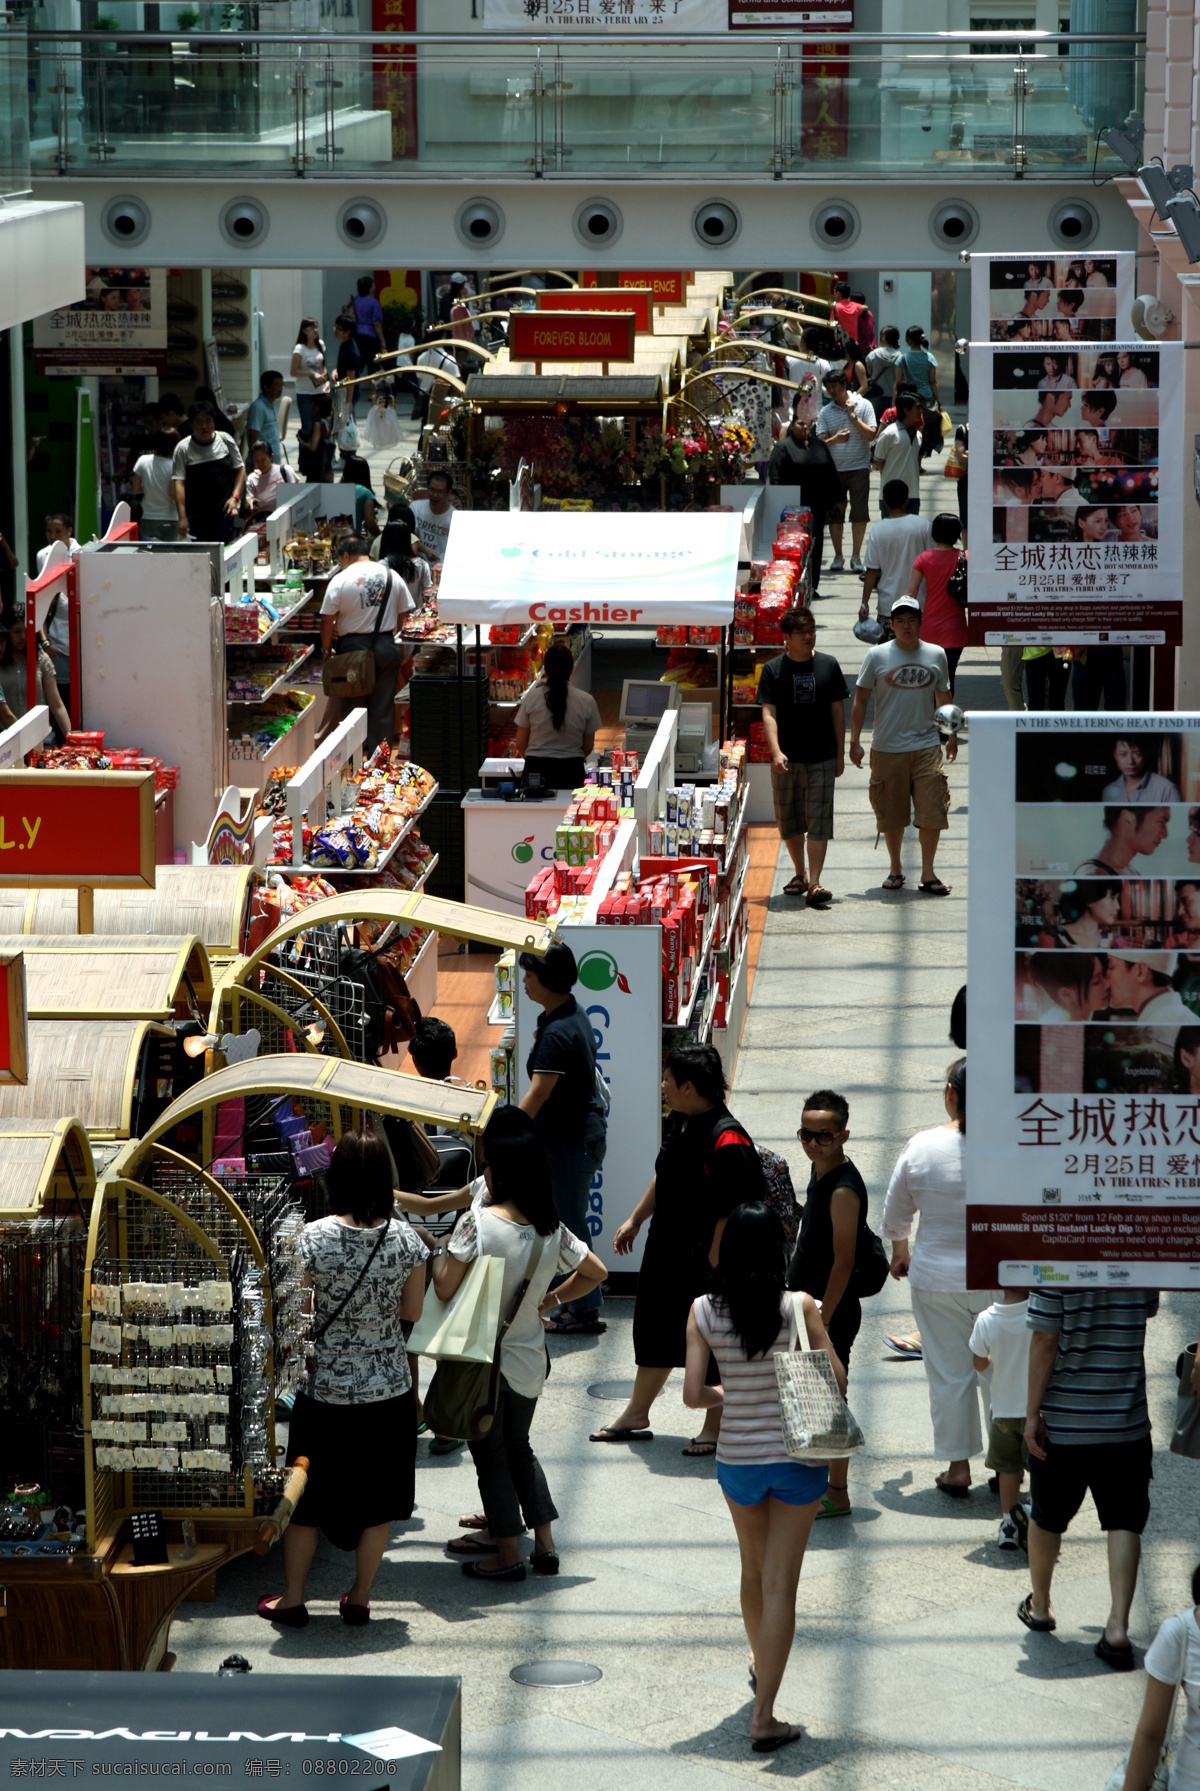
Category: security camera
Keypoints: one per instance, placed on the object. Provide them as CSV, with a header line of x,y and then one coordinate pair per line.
x,y
361,223
1126,142
598,223
479,223
715,223
1073,224
125,221
1184,213
1150,317
244,223
835,225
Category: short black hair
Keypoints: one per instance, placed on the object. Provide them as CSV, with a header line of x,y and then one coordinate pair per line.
x,y
557,971
1071,296
267,378
824,1100
357,471
170,401
440,472
365,284
701,1066
842,288
945,529
63,516
433,1047
914,333
895,494
890,334
201,408
797,617
1100,400
359,1178
351,544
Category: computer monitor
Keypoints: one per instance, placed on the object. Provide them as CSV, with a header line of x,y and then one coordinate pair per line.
x,y
644,701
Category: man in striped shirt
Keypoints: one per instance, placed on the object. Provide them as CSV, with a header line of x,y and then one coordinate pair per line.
x,y
1087,1429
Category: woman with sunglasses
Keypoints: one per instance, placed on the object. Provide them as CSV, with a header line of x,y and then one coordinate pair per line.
x,y
823,1264
930,1180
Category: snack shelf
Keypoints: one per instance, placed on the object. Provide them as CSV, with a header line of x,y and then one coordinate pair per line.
x,y
295,745
495,1018
689,1006
276,627
385,858
289,671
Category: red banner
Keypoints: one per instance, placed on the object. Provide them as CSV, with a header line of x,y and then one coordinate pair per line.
x,y
668,288
585,336
607,298
77,829
1134,621
1162,1243
395,76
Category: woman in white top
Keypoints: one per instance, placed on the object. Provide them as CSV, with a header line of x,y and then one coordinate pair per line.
x,y
1132,376
1172,1660
746,1321
152,483
308,370
556,724
518,1223
930,1179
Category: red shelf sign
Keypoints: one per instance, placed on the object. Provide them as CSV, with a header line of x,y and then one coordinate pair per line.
x,y
609,298
580,336
77,829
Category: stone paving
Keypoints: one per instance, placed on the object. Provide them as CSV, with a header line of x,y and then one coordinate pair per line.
x,y
910,1670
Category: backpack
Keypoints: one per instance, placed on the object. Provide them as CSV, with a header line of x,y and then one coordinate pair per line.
x,y
390,1011
725,1122
779,1194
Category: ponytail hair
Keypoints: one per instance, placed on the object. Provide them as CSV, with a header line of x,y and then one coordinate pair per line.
x,y
748,1280
956,1078
557,668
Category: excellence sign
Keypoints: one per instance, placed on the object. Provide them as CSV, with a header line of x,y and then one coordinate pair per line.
x,y
582,336
77,829
610,298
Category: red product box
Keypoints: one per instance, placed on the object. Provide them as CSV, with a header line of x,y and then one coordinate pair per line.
x,y
672,927
671,997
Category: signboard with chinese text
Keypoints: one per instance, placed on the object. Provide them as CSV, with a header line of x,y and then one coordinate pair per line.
x,y
1083,972
1076,494
77,829
586,336
632,18
119,328
607,298
1072,299
394,76
14,1019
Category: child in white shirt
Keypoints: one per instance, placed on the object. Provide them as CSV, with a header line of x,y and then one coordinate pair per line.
x,y
1000,1340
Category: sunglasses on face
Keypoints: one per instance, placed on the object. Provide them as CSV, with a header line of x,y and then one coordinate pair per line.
x,y
822,1137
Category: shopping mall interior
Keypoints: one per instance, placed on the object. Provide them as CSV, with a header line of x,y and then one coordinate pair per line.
x,y
381,381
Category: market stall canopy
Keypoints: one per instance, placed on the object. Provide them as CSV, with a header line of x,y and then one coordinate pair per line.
x,y
619,395
114,978
85,1067
583,566
207,900
44,1167
461,920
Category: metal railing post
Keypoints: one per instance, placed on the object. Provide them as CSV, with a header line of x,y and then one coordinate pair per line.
x,y
1020,88
299,157
60,88
539,117
102,148
330,85
560,121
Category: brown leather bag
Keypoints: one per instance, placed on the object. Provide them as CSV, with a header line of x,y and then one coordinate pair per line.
x,y
403,1010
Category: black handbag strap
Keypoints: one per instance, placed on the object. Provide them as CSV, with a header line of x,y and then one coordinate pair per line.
x,y
387,591
359,1279
515,1304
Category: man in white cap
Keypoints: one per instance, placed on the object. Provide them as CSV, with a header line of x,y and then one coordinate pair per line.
x,y
1141,984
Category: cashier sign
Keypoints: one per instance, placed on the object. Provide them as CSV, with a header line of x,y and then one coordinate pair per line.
x,y
77,829
583,567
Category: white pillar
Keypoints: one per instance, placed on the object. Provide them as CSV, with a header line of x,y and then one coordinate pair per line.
x,y
16,377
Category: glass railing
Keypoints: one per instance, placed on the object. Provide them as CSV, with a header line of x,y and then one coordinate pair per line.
x,y
220,102
14,113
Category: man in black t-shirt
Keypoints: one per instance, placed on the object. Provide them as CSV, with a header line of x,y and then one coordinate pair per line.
x,y
803,696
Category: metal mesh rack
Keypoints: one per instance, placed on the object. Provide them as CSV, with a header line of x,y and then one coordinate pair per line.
x,y
315,958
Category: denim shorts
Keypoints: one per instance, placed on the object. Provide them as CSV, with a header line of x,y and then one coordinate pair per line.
x,y
791,1482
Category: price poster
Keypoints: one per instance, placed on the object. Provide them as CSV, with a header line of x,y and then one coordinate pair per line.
x,y
1083,1022
1076,494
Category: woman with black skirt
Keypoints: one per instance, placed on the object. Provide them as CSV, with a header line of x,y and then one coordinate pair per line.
x,y
357,1423
706,1167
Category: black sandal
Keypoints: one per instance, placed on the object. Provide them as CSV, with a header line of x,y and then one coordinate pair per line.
x,y
546,1562
934,886
1025,1613
474,1571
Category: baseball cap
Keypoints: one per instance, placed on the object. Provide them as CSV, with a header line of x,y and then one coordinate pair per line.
x,y
1163,963
458,279
906,603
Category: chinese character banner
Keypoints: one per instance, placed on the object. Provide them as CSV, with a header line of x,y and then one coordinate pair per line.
x,y
1052,298
1083,1154
1076,494
120,327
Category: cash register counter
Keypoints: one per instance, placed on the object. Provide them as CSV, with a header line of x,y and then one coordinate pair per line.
x,y
505,843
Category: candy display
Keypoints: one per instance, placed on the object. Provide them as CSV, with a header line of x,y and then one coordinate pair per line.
x,y
391,792
250,681
277,720
86,751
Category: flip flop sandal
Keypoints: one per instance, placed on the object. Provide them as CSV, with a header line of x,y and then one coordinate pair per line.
x,y
797,886
577,1327
818,896
1025,1613
894,881
294,1617
445,1445
1120,1659
827,1508
952,1488
770,1744
470,1545
699,1448
474,1571
477,1520
934,886
607,1435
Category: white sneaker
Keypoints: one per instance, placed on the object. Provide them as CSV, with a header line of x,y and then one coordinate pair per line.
x,y
856,564
839,565
1008,1534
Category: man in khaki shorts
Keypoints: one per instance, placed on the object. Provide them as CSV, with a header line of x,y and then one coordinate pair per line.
x,y
909,680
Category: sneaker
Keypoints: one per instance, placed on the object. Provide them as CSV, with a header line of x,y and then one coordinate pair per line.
x,y
839,565
856,565
1007,1538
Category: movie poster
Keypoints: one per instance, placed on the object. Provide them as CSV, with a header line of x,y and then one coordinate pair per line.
x,y
1076,493
1052,298
1083,1156
119,328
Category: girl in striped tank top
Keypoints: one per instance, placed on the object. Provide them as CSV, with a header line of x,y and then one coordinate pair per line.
x,y
772,1499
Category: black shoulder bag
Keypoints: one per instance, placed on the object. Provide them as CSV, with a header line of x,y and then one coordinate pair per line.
x,y
462,1396
956,584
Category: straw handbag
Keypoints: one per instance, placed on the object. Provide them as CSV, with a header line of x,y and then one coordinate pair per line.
x,y
818,1425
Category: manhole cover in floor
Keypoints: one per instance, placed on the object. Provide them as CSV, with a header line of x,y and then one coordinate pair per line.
x,y
611,1390
555,1673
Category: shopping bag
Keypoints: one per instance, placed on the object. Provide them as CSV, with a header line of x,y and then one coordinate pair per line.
x,y
463,1328
1185,1438
818,1425
347,436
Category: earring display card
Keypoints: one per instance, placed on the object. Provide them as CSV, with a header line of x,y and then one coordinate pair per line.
x,y
149,1539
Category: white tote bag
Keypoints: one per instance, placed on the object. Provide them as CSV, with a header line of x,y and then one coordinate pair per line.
x,y
818,1425
463,1328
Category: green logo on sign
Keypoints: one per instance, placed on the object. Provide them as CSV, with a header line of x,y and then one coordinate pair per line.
x,y
510,553
598,970
523,850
